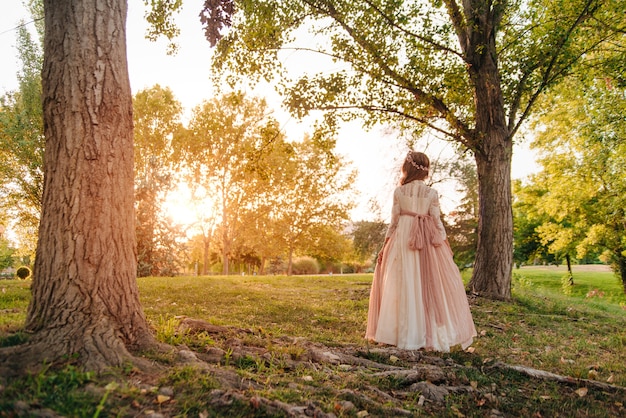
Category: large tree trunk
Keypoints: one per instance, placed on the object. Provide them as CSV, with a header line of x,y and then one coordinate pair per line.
x,y
85,300
493,152
491,276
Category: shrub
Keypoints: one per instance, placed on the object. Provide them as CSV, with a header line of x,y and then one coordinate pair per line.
x,y
305,265
23,272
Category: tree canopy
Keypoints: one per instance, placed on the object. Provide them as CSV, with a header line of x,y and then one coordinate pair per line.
x,y
580,192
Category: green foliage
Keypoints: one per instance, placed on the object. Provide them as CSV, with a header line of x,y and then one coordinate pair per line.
x,y
462,231
156,115
578,196
6,254
160,17
22,141
261,196
368,238
305,265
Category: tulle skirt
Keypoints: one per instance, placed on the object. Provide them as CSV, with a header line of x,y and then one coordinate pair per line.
x,y
417,299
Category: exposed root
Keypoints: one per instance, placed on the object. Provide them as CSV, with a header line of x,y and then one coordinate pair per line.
x,y
541,374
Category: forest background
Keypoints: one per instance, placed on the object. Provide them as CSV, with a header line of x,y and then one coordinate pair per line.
x,y
375,154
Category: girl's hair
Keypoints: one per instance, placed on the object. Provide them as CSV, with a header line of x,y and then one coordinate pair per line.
x,y
415,167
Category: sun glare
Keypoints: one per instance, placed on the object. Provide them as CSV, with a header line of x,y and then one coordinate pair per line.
x,y
185,210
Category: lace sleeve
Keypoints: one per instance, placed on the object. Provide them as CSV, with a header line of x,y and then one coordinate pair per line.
x,y
435,212
395,214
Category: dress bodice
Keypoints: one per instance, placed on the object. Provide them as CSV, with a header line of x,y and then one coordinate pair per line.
x,y
415,197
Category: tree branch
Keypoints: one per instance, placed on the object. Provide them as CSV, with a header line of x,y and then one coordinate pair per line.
x,y
420,95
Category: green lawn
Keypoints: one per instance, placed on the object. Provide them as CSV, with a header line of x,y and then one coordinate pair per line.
x,y
577,331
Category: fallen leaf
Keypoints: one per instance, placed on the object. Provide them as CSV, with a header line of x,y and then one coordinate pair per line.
x,y
393,359
162,398
566,361
592,374
610,379
470,350
581,392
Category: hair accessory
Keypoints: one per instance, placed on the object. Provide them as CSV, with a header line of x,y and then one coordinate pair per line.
x,y
409,158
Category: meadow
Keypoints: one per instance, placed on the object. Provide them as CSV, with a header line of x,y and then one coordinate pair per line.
x,y
298,342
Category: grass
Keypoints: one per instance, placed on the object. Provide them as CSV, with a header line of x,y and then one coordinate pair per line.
x,y
577,331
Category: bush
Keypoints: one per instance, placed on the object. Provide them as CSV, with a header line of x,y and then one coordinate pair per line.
x,y
305,265
23,272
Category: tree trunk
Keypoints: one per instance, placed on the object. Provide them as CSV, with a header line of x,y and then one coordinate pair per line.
x,y
262,266
85,300
568,259
290,262
205,254
494,150
491,276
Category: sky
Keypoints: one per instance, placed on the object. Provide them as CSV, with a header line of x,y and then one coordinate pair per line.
x,y
376,154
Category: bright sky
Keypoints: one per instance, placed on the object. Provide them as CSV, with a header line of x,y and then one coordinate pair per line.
x,y
376,154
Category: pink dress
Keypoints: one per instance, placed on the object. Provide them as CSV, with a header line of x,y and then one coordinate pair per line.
x,y
417,298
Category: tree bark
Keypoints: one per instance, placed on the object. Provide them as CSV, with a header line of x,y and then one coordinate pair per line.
x,y
492,272
493,151
85,300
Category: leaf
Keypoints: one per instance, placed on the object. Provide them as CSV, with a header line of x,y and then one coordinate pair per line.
x,y
162,398
581,392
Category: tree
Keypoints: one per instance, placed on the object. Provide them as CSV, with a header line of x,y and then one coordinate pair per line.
x,y
156,115
22,139
218,151
468,71
315,194
462,231
7,253
368,238
583,148
85,301
207,216
527,217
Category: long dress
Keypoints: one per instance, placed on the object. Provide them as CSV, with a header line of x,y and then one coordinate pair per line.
x,y
417,299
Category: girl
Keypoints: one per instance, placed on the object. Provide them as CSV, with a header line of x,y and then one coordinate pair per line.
x,y
417,298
